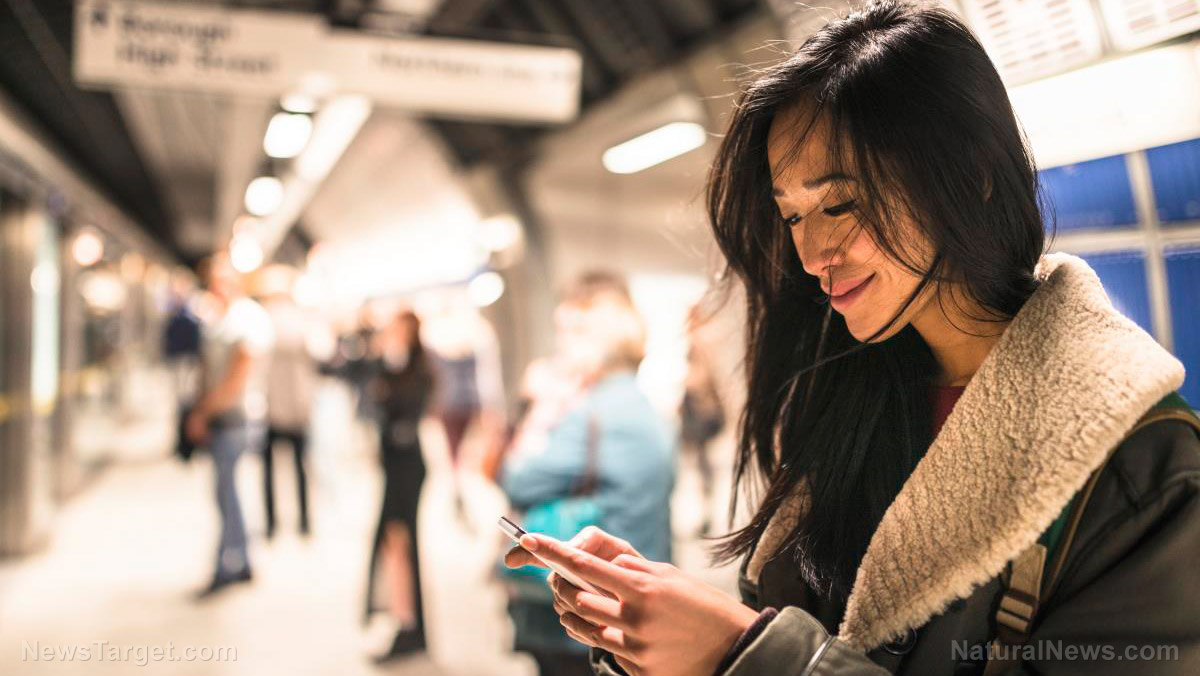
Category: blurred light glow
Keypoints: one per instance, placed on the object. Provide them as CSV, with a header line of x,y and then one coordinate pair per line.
x,y
87,248
102,291
1112,107
264,195
287,134
336,127
245,254
499,233
44,279
299,102
306,291
485,289
654,147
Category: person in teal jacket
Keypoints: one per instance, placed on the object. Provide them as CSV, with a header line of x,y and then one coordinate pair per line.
x,y
601,343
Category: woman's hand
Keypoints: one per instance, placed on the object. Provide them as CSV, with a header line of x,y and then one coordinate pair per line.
x,y
656,621
591,540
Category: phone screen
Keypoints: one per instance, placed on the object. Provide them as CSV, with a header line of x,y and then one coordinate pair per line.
x,y
515,532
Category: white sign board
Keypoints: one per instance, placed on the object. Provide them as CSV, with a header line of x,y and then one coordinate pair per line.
x,y
460,77
191,47
119,43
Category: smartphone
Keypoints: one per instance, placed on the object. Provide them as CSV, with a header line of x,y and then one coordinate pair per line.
x,y
515,532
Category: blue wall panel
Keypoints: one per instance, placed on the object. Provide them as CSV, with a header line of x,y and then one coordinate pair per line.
x,y
1183,283
1092,195
1175,175
1124,277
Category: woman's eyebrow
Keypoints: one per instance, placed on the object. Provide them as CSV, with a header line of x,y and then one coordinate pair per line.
x,y
827,178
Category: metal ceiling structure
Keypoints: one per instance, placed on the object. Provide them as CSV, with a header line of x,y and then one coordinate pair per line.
x,y
619,40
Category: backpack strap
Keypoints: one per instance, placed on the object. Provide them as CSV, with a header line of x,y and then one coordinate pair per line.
x,y
1029,583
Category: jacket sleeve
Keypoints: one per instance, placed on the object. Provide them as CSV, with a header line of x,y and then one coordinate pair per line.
x,y
793,644
554,472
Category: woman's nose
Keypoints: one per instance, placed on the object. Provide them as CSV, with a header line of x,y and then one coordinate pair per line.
x,y
819,248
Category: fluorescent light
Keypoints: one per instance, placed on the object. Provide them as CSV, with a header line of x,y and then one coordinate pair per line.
x,y
499,233
264,195
87,248
485,289
655,147
245,254
287,134
336,126
298,102
1113,107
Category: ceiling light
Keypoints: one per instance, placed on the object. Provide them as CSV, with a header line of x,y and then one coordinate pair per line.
x,y
485,289
287,134
654,147
245,254
299,103
499,233
87,248
264,195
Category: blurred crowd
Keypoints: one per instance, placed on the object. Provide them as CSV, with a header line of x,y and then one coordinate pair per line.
x,y
581,445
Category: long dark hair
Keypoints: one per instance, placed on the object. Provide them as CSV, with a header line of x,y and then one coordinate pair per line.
x,y
920,117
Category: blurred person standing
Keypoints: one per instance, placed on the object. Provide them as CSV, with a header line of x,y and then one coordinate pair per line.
x,y
470,388
402,387
608,444
229,415
291,386
701,413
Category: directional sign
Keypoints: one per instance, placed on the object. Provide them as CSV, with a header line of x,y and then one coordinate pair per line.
x,y
119,43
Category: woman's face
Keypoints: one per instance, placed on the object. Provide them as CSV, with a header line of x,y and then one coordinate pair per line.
x,y
817,205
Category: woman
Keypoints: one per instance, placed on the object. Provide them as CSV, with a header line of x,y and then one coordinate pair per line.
x,y
875,197
607,443
401,390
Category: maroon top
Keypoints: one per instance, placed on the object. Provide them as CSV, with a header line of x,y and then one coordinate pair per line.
x,y
944,399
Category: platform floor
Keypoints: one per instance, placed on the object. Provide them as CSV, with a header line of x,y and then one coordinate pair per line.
x,y
129,552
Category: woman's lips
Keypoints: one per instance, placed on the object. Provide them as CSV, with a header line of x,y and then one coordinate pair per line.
x,y
848,292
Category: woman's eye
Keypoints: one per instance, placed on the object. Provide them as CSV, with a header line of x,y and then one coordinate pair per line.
x,y
792,221
843,208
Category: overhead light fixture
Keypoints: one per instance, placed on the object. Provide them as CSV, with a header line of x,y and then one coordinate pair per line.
x,y
87,248
245,254
485,289
654,147
287,134
264,195
299,102
337,125
499,233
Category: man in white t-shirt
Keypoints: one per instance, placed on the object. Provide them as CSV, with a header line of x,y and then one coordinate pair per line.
x,y
228,417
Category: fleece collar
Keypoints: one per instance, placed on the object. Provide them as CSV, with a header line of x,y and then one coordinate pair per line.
x,y
1067,380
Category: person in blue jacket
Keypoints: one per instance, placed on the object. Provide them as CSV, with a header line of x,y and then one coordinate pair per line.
x,y
601,343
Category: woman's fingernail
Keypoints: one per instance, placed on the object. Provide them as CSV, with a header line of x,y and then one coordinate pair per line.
x,y
530,543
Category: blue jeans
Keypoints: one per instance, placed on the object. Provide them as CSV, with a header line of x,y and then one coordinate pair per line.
x,y
227,443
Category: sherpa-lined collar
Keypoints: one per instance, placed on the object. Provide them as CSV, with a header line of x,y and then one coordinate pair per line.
x,y
1066,381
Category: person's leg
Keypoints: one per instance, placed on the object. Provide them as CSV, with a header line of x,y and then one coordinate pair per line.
x,y
298,451
269,480
396,550
227,446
